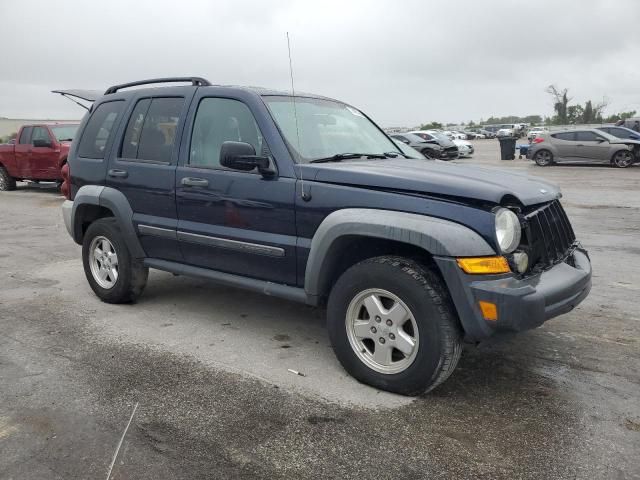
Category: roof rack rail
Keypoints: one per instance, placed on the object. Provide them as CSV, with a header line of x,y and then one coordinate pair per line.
x,y
195,81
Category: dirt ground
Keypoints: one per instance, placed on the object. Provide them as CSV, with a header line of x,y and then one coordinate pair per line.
x,y
208,368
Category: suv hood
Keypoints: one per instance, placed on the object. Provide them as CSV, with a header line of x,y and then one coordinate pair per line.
x,y
436,178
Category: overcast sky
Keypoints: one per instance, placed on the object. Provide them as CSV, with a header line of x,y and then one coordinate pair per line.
x,y
402,62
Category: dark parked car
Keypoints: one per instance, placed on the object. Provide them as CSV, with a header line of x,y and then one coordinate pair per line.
x,y
409,257
409,152
429,149
449,149
583,146
621,132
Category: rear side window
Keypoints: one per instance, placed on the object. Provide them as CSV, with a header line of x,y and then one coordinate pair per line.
x,y
99,130
131,139
564,136
587,137
151,130
25,135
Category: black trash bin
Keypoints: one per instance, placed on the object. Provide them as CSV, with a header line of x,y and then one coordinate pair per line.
x,y
507,148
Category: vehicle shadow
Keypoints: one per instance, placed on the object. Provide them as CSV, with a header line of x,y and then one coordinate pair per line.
x,y
44,187
495,371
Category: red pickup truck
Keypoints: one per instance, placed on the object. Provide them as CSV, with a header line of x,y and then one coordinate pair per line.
x,y
38,153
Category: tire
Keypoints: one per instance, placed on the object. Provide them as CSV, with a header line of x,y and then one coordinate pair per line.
x,y
543,158
432,324
622,159
428,153
7,182
126,283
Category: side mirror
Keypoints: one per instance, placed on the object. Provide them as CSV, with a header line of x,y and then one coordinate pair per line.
x,y
242,156
42,143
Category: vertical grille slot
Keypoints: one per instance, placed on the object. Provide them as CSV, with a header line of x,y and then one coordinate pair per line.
x,y
549,235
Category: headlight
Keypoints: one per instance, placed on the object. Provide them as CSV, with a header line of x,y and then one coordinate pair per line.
x,y
508,231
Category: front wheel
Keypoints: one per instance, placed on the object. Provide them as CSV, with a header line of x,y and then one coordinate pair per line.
x,y
543,158
114,276
622,159
392,325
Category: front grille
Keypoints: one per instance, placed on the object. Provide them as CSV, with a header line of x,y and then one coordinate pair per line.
x,y
451,151
549,236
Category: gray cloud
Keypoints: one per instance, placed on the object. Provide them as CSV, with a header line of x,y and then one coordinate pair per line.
x,y
401,62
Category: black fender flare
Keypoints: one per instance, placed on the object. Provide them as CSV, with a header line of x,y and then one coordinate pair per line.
x,y
113,200
438,237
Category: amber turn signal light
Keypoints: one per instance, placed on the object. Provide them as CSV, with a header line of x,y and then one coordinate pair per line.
x,y
489,310
484,265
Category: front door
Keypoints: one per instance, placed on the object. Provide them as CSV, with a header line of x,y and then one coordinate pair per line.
x,y
231,221
591,147
143,168
23,153
43,160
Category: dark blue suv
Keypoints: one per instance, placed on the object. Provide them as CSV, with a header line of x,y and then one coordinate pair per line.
x,y
305,198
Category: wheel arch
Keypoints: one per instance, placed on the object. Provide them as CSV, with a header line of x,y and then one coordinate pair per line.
x,y
349,236
92,202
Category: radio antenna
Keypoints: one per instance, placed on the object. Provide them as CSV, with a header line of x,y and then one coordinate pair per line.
x,y
305,197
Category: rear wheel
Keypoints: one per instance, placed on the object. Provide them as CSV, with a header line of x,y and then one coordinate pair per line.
x,y
392,325
622,159
113,274
7,182
543,158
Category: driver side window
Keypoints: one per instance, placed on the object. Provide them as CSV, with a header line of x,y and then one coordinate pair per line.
x,y
220,120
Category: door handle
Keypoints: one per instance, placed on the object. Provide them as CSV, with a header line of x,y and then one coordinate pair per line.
x,y
580,145
118,173
195,182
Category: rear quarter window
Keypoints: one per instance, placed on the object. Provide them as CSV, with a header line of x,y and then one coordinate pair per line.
x,y
99,130
567,136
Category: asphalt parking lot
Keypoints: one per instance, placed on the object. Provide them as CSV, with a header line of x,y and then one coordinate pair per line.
x,y
208,368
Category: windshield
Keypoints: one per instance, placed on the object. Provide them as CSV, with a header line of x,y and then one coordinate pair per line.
x,y
64,132
325,128
440,136
412,137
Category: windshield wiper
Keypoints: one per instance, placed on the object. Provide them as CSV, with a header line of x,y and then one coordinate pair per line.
x,y
65,140
347,156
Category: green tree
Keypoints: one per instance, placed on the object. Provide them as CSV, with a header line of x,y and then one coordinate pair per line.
x,y
619,116
431,126
575,114
560,103
589,115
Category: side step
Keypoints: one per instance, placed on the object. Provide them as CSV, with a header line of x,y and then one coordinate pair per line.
x,y
287,292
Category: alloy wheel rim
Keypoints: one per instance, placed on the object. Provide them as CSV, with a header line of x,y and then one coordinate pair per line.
x,y
103,261
382,331
623,159
543,158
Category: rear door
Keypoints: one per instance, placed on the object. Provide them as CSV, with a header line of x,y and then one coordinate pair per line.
x,y
43,159
232,221
23,153
143,167
565,145
591,147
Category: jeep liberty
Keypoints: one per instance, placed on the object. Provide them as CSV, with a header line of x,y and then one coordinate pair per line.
x,y
306,199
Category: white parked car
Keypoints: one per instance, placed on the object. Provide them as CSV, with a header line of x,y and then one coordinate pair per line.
x,y
535,131
505,132
453,134
465,148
